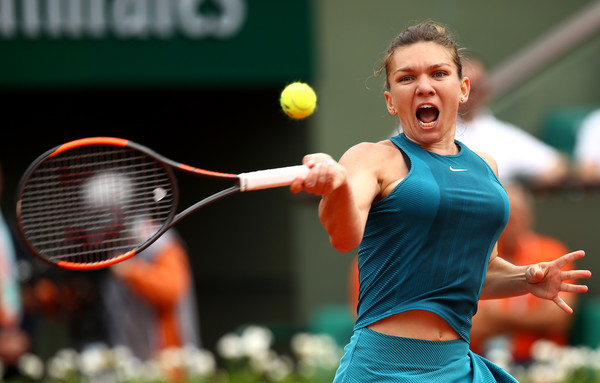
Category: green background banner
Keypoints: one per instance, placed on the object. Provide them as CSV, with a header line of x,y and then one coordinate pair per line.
x,y
153,42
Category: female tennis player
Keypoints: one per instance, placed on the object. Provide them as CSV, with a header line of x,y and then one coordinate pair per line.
x,y
425,212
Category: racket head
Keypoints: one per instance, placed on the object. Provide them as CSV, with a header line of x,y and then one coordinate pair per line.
x,y
94,202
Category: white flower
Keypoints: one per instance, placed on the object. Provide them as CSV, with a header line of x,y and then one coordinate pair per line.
x,y
253,342
31,366
199,362
280,368
543,373
230,346
152,371
127,366
256,340
121,353
316,350
68,355
94,359
545,351
259,363
171,358
301,343
595,359
575,357
500,356
62,364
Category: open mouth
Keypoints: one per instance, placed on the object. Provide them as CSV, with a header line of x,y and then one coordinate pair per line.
x,y
427,115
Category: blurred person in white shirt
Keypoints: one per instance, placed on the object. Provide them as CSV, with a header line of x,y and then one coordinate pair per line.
x,y
520,155
587,153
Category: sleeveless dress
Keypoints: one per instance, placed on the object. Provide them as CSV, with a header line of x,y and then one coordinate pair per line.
x,y
426,247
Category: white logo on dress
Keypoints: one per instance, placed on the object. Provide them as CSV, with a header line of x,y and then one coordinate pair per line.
x,y
457,170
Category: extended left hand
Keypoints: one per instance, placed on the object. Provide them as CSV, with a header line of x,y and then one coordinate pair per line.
x,y
547,279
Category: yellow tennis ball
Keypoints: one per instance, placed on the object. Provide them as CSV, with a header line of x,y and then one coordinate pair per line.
x,y
298,100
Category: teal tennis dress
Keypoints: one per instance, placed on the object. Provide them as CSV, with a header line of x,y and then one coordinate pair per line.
x,y
426,247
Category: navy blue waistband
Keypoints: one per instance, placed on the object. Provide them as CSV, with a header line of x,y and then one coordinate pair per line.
x,y
413,351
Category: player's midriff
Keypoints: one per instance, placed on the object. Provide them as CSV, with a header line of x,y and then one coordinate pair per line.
x,y
416,324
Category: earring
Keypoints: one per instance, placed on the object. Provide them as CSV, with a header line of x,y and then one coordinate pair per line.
x,y
462,99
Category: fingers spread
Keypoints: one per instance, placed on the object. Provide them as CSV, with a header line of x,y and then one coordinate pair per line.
x,y
563,306
567,287
569,258
575,274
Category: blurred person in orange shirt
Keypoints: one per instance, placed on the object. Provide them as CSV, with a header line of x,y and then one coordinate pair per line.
x,y
518,322
150,301
146,304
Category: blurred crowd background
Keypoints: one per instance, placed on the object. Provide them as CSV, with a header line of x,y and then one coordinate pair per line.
x,y
199,82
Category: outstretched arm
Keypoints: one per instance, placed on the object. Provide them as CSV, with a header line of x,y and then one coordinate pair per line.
x,y
544,280
337,210
347,190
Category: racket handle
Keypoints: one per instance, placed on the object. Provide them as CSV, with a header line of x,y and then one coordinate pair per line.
x,y
271,178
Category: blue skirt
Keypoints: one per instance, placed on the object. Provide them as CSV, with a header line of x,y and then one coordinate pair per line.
x,y
375,357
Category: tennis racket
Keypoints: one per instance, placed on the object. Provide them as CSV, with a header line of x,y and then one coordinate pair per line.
x,y
97,201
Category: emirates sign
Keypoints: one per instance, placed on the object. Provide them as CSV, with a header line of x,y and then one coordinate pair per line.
x,y
157,43
124,19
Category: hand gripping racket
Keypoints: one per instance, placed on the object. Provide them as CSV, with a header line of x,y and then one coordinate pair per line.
x,y
93,202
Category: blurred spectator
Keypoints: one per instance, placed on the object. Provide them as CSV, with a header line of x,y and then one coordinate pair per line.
x,y
586,153
517,322
62,307
146,303
149,300
519,155
14,341
34,294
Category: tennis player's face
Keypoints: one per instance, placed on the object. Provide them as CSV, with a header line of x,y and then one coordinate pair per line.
x,y
425,92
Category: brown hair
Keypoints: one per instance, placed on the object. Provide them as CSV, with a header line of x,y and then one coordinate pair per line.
x,y
423,32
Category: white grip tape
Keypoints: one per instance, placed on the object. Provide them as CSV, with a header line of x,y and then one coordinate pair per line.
x,y
271,178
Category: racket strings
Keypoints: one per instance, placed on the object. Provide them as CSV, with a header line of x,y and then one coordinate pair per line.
x,y
95,203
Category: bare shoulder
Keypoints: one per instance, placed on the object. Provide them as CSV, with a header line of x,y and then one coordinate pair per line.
x,y
380,161
490,160
370,152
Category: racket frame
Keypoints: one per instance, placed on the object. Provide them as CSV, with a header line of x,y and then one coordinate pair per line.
x,y
255,180
168,165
